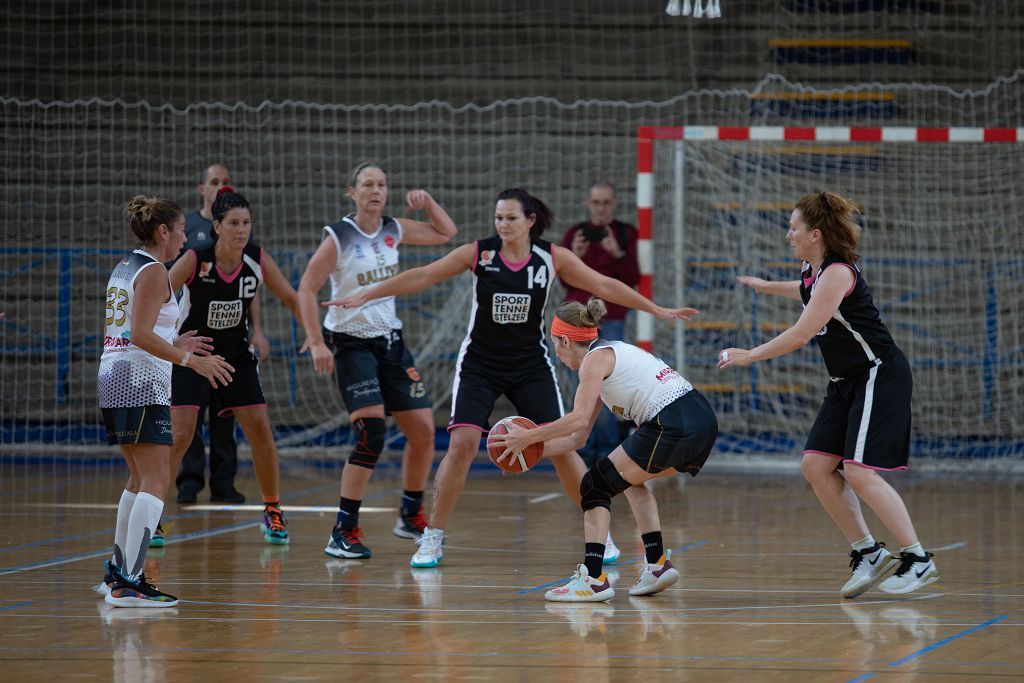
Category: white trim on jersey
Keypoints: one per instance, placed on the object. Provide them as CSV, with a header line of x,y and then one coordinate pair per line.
x,y
857,336
255,265
464,348
549,261
865,418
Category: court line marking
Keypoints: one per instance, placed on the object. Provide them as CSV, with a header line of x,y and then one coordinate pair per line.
x,y
862,677
16,606
945,641
951,546
688,546
541,499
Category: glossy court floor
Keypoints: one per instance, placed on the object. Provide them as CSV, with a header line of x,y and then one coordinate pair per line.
x,y
758,600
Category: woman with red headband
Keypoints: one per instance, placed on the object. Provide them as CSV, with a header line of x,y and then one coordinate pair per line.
x,y
504,351
676,429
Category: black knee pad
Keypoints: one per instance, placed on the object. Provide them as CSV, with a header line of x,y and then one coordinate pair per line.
x,y
369,442
600,484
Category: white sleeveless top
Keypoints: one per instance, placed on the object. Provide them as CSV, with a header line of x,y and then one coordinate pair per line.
x,y
640,384
128,376
362,261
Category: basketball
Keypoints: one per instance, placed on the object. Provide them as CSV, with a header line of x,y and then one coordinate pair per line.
x,y
522,460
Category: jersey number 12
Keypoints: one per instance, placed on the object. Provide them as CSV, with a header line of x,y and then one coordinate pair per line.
x,y
246,287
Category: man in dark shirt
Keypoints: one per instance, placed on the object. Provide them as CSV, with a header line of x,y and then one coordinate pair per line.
x,y
608,246
223,449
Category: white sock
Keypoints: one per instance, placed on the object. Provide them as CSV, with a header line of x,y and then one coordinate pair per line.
x,y
124,510
915,549
145,516
864,543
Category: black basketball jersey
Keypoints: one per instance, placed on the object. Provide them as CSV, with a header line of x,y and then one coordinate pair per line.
x,y
855,337
506,325
216,304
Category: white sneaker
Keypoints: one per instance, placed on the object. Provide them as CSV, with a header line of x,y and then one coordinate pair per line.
x,y
429,553
611,551
914,572
867,568
582,588
655,577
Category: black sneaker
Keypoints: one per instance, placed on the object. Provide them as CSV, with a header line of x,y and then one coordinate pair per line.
x,y
187,497
139,593
233,497
410,526
348,544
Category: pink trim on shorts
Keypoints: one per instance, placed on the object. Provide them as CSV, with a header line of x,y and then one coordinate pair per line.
x,y
195,265
869,467
229,278
451,427
516,267
831,455
232,409
189,407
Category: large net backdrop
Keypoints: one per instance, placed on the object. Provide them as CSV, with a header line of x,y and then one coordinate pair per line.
x,y
941,221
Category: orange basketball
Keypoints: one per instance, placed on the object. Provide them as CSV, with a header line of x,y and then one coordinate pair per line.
x,y
522,460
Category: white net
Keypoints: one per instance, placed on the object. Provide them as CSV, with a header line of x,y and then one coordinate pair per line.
x,y
938,218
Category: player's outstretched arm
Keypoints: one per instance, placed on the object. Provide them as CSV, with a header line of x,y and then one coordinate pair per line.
x,y
787,288
578,274
414,279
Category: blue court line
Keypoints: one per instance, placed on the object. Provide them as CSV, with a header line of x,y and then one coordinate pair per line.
x,y
950,639
15,606
688,546
863,677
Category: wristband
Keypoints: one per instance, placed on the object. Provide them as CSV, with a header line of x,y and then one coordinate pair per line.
x,y
184,359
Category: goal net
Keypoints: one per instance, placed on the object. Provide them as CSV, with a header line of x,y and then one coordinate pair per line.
x,y
940,209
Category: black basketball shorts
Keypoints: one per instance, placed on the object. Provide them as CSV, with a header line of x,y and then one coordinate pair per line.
x,y
379,370
533,391
189,389
865,420
142,424
680,436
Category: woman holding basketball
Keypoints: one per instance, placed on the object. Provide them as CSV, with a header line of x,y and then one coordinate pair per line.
x,y
134,390
864,423
376,372
676,429
504,351
220,282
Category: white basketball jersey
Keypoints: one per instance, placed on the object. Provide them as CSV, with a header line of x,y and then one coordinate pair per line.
x,y
128,376
362,261
641,384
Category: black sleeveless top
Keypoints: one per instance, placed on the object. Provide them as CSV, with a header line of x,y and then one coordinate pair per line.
x,y
507,320
216,304
855,337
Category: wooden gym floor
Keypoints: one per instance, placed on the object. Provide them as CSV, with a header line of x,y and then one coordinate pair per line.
x,y
758,600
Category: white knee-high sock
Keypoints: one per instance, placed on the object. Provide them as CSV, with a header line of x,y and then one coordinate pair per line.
x,y
145,516
124,510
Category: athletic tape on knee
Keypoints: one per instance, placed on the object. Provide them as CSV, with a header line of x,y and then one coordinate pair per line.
x,y
369,442
600,484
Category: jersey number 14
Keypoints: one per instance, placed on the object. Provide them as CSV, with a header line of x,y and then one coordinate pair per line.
x,y
541,278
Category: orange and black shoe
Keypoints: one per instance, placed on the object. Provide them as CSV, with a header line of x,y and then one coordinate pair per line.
x,y
410,526
273,525
347,543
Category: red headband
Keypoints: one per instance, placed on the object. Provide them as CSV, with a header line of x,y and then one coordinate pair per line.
x,y
560,328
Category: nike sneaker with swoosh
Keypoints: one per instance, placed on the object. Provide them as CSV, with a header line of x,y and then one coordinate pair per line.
x,y
868,567
915,571
347,543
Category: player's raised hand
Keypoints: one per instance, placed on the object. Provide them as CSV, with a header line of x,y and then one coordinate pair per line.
x,y
191,341
728,358
418,199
